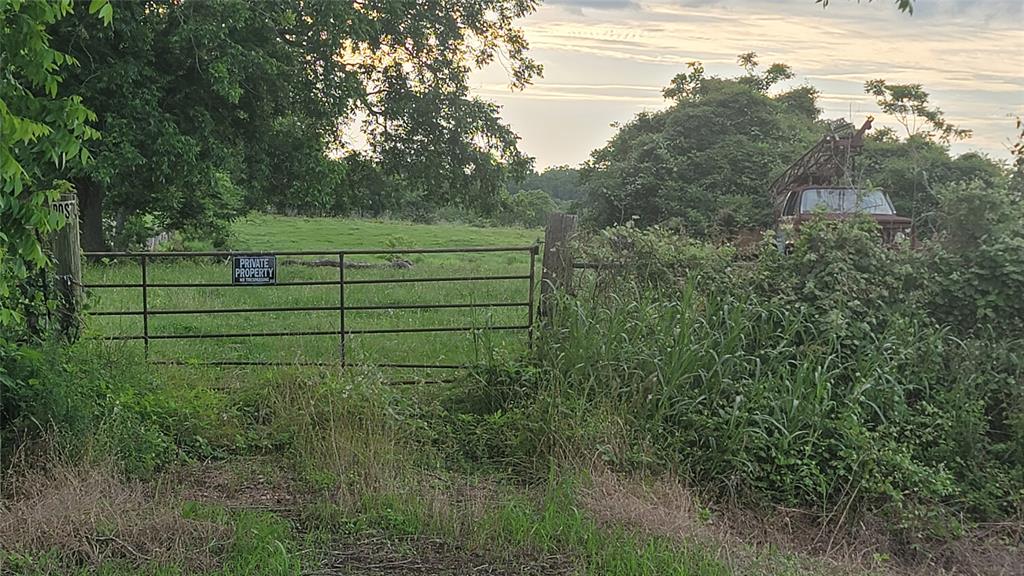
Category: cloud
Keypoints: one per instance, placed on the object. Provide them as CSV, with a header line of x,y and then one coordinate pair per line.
x,y
986,10
610,59
577,6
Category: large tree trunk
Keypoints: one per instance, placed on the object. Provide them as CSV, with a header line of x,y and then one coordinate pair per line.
x,y
90,205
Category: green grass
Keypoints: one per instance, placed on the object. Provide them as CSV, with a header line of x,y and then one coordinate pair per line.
x,y
517,528
264,232
373,459
494,466
268,233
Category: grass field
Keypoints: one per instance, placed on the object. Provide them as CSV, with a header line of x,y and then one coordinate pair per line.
x,y
276,233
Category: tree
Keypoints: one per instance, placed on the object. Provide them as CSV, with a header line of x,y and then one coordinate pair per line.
x,y
215,107
42,135
1017,178
706,161
912,169
909,105
525,208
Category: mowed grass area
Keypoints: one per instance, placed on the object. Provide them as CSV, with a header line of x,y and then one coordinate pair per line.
x,y
279,233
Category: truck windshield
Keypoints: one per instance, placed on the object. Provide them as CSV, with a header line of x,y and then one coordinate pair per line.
x,y
845,201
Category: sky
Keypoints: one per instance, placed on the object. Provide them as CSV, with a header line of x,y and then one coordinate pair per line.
x,y
606,60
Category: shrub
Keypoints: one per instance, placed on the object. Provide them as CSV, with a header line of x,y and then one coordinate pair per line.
x,y
655,258
94,401
826,378
529,208
972,277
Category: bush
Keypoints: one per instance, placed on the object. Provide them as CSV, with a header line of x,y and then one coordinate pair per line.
x,y
972,277
657,257
93,401
528,208
828,378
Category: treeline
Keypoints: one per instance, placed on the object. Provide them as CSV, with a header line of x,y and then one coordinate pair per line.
x,y
209,110
191,142
704,164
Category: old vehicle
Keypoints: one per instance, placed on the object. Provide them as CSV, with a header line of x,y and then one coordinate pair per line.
x,y
820,183
801,204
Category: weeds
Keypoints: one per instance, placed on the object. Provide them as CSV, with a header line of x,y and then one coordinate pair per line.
x,y
794,389
78,515
809,381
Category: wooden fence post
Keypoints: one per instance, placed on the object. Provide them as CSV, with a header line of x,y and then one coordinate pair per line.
x,y
67,252
557,265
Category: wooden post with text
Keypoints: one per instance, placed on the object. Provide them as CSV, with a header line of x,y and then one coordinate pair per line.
x,y
67,254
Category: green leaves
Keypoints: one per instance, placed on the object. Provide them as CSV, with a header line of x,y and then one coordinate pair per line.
x,y
704,164
103,9
903,5
212,108
41,139
908,104
825,379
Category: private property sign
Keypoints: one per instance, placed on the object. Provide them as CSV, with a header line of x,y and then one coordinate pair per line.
x,y
254,270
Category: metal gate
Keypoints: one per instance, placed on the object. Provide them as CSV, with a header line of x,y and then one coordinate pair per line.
x,y
259,271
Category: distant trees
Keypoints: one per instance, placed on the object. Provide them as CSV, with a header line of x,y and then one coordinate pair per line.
x,y
525,208
704,162
560,182
912,169
212,108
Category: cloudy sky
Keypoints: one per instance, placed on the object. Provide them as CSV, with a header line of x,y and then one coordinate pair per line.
x,y
606,60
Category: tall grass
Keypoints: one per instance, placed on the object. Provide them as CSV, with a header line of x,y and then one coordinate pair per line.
x,y
810,381
734,392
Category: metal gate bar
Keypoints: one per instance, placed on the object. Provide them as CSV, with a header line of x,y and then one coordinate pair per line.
x,y
341,309
308,309
314,333
310,282
352,252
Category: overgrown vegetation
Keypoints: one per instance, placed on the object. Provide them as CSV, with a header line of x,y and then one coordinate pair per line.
x,y
846,378
846,383
866,391
705,164
365,460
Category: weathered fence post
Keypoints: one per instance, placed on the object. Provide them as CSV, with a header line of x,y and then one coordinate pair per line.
x,y
67,253
556,274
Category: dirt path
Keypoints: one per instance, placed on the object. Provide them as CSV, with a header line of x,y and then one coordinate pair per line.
x,y
256,484
418,556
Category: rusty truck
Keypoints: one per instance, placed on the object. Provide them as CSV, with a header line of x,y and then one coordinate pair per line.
x,y
822,183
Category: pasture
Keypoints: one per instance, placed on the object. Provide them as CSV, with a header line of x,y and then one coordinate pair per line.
x,y
278,233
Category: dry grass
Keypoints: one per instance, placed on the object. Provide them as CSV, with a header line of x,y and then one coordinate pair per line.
x,y
666,507
84,515
252,483
422,555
